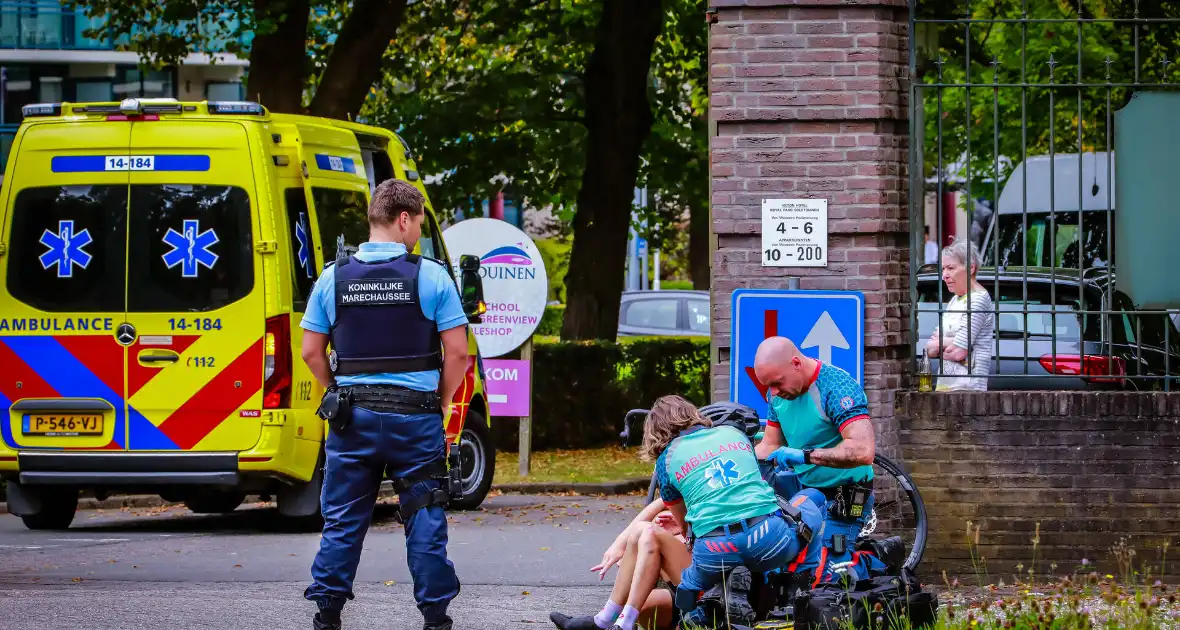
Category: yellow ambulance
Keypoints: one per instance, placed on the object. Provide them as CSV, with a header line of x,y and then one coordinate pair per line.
x,y
156,258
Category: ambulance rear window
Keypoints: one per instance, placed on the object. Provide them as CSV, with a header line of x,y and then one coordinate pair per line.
x,y
67,245
191,247
340,212
303,267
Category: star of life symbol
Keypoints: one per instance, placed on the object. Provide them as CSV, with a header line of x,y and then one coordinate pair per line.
x,y
301,235
721,473
66,249
191,248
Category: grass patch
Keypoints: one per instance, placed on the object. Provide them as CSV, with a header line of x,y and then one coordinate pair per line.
x,y
581,466
1082,599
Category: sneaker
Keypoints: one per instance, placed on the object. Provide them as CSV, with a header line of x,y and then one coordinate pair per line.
x,y
319,623
446,624
565,622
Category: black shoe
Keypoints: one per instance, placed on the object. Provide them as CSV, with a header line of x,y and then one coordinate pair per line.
x,y
318,622
565,622
739,608
446,624
890,551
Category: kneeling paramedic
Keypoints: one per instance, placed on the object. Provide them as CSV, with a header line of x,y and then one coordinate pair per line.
x,y
388,314
819,426
709,478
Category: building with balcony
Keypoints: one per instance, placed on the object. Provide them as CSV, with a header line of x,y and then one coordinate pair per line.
x,y
45,57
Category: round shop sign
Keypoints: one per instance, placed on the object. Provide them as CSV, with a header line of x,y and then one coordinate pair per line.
x,y
515,286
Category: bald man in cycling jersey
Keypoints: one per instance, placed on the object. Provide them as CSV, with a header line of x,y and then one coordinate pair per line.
x,y
819,425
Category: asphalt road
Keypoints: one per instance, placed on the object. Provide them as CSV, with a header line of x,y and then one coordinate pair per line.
x,y
518,558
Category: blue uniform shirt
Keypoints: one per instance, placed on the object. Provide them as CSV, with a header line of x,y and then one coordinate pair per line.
x,y
437,294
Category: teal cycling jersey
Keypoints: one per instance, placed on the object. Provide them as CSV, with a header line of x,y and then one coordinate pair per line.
x,y
715,473
814,420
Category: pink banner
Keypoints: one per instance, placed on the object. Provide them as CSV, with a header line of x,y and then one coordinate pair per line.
x,y
508,387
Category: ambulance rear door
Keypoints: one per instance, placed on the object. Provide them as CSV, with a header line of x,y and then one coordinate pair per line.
x,y
195,287
64,233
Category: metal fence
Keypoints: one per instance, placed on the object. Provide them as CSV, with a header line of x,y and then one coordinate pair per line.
x,y
1012,112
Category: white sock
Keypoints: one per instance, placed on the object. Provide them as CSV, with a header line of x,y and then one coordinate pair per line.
x,y
627,621
606,616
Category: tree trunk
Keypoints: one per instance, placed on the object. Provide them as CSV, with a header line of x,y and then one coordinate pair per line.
x,y
355,61
618,120
278,60
699,252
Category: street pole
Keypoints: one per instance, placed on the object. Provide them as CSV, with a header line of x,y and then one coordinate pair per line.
x,y
526,422
656,280
643,266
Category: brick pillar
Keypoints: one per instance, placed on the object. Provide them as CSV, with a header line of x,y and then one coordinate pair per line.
x,y
809,100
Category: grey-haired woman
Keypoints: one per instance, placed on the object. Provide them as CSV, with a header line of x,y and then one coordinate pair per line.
x,y
966,340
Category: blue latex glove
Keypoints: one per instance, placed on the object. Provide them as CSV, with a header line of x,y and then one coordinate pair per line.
x,y
786,456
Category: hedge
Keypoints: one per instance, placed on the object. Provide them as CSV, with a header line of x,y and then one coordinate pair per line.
x,y
551,321
582,390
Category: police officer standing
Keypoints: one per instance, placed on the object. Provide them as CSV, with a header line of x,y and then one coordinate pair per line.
x,y
395,321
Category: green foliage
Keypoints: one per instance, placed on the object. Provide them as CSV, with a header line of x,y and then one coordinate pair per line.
x,y
582,390
550,325
490,94
555,252
165,32
985,123
673,365
492,97
675,165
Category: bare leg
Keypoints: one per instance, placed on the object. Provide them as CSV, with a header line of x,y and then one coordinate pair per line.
x,y
625,576
657,611
656,550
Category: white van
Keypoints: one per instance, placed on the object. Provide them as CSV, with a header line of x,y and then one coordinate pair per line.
x,y
1079,187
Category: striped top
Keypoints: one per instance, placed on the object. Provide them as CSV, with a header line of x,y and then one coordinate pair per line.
x,y
978,338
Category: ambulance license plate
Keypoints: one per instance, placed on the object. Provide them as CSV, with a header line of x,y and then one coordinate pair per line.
x,y
71,424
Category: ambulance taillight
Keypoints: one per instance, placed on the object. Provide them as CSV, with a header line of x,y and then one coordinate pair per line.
x,y
276,389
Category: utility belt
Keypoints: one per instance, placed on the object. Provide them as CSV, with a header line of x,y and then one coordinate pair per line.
x,y
395,399
786,510
337,403
847,502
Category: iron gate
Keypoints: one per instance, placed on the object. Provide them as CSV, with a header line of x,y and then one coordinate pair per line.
x,y
1007,100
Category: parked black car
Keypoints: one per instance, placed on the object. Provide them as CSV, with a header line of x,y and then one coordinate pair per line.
x,y
1119,350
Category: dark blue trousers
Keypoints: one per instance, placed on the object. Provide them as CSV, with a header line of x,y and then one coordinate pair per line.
x,y
357,460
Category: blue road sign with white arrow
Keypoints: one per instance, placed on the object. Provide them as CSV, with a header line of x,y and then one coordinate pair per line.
x,y
825,325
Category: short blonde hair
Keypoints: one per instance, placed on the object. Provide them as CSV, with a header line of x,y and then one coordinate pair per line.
x,y
668,417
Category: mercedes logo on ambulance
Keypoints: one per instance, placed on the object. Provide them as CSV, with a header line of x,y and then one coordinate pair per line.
x,y
125,334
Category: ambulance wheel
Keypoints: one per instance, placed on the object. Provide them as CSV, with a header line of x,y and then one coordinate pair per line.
x,y
478,455
299,504
57,511
214,501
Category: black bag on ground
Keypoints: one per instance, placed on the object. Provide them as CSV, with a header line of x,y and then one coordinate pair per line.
x,y
893,599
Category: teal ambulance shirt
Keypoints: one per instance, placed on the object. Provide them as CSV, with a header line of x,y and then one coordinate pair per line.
x,y
715,473
815,419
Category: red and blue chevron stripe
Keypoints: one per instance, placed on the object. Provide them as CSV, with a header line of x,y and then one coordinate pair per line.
x,y
62,367
92,367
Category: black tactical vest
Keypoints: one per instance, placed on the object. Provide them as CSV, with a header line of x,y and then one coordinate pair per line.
x,y
379,325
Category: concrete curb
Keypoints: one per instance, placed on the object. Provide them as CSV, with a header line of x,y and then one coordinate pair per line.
x,y
610,487
613,487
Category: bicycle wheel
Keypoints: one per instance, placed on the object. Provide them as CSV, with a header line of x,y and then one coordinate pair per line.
x,y
898,509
